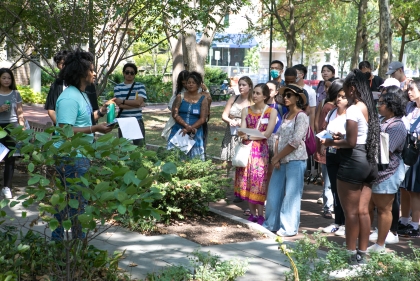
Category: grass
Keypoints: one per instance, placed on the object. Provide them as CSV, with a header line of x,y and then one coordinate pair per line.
x,y
155,121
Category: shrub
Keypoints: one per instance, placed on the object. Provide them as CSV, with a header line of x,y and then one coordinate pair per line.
x,y
29,96
214,76
47,79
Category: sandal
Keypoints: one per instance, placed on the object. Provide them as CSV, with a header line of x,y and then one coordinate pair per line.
x,y
247,212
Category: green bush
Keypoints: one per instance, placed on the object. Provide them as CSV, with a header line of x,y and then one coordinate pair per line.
x,y
47,79
214,76
29,96
28,256
207,267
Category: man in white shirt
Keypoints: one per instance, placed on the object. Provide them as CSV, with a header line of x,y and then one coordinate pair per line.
x,y
300,81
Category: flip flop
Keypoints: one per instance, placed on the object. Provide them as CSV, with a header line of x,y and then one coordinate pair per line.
x,y
247,212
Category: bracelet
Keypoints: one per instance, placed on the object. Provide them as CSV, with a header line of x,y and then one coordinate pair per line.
x,y
100,114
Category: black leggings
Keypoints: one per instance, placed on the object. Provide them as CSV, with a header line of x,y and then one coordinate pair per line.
x,y
395,212
9,160
333,161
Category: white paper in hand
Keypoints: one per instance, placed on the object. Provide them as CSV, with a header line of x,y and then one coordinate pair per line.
x,y
184,143
130,128
324,135
3,151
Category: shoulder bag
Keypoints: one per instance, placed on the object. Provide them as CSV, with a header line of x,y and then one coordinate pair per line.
x,y
309,139
243,151
410,152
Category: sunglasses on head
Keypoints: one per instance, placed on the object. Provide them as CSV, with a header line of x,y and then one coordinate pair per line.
x,y
129,73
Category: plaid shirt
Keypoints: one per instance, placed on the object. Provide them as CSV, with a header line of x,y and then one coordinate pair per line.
x,y
397,133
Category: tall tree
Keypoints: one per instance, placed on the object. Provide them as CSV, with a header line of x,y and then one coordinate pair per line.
x,y
362,7
385,37
205,17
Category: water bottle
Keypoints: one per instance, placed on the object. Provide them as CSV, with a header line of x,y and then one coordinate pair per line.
x,y
111,113
8,103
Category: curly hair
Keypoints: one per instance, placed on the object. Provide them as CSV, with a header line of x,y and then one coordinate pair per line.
x,y
393,103
60,56
265,90
250,84
76,67
198,79
182,76
360,82
12,85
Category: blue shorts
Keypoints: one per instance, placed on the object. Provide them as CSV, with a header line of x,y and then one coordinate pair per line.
x,y
391,184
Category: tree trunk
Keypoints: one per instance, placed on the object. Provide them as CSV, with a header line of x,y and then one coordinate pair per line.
x,y
385,37
290,49
365,43
403,42
361,23
177,58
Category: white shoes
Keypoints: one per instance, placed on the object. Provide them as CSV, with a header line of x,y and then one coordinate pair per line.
x,y
375,248
331,228
390,238
6,192
341,231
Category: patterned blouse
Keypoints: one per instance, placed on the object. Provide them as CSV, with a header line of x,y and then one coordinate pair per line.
x,y
293,132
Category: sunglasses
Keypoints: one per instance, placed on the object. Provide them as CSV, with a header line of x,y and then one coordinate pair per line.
x,y
129,73
288,95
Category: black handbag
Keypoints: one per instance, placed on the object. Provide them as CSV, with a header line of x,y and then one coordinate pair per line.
x,y
411,151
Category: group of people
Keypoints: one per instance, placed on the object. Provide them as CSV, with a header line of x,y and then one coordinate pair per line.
x,y
352,113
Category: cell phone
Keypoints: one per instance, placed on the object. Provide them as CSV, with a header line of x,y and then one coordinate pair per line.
x,y
111,124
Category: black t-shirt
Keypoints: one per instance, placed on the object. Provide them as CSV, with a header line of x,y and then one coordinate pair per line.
x,y
376,82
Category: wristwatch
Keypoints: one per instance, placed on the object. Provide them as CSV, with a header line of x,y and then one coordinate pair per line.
x,y
100,114
248,137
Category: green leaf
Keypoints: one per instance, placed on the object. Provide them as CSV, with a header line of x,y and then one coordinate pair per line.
x,y
122,209
128,177
85,218
169,168
23,248
104,138
53,224
68,131
24,215
149,153
55,199
102,186
131,190
34,180
2,134
121,196
31,167
142,173
67,224
85,181
40,194
13,203
74,203
106,196
42,137
147,182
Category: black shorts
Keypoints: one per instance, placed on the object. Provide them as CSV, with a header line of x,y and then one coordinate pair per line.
x,y
354,167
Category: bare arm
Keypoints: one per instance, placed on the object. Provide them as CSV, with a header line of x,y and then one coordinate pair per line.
x,y
175,114
317,113
101,128
349,141
52,115
130,104
312,117
19,112
225,114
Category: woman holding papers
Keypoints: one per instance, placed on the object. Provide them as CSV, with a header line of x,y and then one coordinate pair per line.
x,y
251,181
289,160
335,123
190,113
11,112
358,167
232,117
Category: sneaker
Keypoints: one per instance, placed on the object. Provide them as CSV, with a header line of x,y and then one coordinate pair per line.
x,y
260,220
361,257
320,200
401,226
374,235
252,218
409,231
6,192
331,228
341,231
375,248
392,238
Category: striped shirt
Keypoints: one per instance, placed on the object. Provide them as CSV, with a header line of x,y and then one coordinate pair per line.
x,y
121,91
397,133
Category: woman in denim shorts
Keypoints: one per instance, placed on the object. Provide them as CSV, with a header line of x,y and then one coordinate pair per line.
x,y
391,108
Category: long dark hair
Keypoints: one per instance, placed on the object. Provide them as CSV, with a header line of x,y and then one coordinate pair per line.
x,y
77,65
360,82
334,89
182,76
13,84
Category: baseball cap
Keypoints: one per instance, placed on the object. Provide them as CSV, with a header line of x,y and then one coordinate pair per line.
x,y
393,66
390,82
225,81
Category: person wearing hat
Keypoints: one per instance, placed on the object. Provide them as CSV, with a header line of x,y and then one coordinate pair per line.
x,y
374,81
396,70
286,183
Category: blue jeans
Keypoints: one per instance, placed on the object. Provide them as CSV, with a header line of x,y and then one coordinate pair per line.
x,y
327,195
71,168
284,198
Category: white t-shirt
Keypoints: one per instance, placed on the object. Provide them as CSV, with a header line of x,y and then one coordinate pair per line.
x,y
311,95
336,124
355,114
